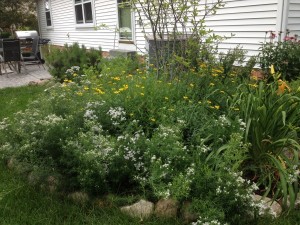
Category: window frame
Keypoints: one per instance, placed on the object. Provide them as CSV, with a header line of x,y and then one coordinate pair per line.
x,y
84,24
132,19
49,10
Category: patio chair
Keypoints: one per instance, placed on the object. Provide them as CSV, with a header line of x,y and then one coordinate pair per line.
x,y
33,57
11,54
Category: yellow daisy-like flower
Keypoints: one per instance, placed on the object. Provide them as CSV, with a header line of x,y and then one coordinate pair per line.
x,y
86,88
217,107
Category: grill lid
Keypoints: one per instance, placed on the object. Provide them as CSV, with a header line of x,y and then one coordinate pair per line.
x,y
27,34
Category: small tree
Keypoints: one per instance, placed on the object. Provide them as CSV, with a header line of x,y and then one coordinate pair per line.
x,y
178,32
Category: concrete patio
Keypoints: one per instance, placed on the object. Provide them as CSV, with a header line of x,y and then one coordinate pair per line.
x,y
34,74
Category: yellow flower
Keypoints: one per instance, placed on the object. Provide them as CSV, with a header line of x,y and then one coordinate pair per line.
x,y
272,69
208,101
152,119
166,98
192,85
116,78
211,84
79,93
253,85
217,107
75,75
99,91
117,92
86,88
185,97
142,94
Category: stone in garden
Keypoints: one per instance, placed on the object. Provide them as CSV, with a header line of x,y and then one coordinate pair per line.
x,y
79,197
269,207
297,202
52,183
186,213
142,209
11,163
34,178
166,208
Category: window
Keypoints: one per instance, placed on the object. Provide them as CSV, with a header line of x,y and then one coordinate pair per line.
x,y
83,11
125,24
48,13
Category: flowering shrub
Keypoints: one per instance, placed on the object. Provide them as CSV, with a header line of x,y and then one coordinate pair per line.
x,y
284,55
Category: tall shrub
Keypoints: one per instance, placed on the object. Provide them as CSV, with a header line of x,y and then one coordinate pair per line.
x,y
60,60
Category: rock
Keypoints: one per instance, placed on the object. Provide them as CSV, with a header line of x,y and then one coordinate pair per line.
x,y
34,178
52,184
166,208
268,207
297,202
186,213
11,163
79,197
142,209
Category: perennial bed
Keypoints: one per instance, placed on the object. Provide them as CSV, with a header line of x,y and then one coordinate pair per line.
x,y
207,138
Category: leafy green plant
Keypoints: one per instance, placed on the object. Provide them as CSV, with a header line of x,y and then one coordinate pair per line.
x,y
284,55
60,60
271,128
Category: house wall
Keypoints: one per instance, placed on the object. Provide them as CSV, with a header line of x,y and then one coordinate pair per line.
x,y
293,23
248,20
64,28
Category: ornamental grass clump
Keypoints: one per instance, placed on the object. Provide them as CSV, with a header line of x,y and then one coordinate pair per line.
x,y
271,118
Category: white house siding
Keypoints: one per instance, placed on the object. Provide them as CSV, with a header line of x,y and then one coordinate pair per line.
x,y
64,29
293,23
247,20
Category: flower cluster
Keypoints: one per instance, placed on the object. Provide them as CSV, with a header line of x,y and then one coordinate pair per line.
x,y
117,115
207,221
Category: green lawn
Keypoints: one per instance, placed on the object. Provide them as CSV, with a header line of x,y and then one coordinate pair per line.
x,y
14,99
21,204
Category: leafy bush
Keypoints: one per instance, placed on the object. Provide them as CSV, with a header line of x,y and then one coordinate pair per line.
x,y
60,60
284,55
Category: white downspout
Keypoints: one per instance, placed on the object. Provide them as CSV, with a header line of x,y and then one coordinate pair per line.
x,y
38,17
282,16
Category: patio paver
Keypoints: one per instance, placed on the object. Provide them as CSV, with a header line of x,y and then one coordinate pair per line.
x,y
34,74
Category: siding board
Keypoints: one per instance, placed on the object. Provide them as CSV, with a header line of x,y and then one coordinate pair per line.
x,y
249,20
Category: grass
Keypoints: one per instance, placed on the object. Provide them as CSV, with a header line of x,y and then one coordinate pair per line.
x,y
23,204
15,99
